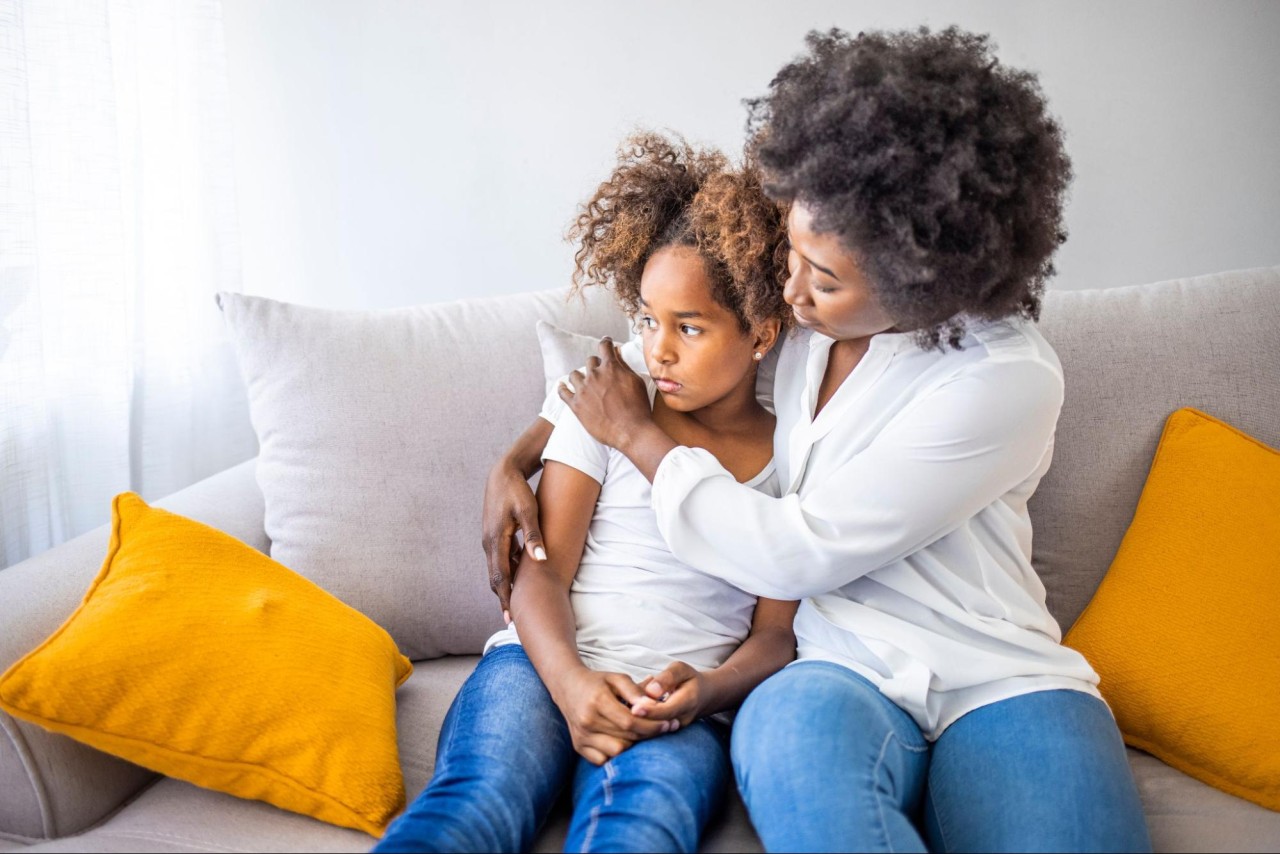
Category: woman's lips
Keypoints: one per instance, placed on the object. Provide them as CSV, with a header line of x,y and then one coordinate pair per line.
x,y
667,386
801,319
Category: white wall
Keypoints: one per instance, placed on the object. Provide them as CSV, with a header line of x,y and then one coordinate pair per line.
x,y
391,152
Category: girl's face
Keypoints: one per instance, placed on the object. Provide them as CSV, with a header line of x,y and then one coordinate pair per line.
x,y
694,347
825,286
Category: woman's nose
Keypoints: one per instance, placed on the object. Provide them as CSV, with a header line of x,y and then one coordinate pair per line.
x,y
795,292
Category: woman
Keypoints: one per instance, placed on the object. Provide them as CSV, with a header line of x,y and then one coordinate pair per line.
x,y
932,704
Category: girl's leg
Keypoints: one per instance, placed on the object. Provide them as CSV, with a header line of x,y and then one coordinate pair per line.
x,y
504,755
656,796
1040,772
826,763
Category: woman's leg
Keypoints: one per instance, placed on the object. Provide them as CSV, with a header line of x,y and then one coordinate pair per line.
x,y
826,763
656,796
1040,772
504,755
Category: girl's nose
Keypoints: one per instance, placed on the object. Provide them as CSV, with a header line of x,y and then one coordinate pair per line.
x,y
660,349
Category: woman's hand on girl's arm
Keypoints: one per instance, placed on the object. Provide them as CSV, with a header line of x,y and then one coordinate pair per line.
x,y
509,505
691,694
611,402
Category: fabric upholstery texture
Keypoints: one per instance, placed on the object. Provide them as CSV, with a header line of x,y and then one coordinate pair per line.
x,y
563,351
377,430
1183,629
1131,356
201,658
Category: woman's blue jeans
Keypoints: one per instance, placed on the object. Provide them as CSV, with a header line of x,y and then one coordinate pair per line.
x,y
505,755
826,763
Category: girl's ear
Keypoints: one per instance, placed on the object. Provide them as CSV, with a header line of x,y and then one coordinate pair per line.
x,y
766,335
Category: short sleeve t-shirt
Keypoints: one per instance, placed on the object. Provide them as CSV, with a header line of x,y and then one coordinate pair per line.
x,y
637,607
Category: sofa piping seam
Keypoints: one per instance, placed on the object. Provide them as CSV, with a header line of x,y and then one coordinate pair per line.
x,y
37,784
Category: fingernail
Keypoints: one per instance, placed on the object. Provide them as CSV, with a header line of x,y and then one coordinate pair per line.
x,y
675,725
506,615
539,553
666,726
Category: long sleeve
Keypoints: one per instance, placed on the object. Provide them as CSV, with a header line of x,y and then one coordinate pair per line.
x,y
940,460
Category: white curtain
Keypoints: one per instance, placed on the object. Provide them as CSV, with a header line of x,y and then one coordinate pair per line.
x,y
117,227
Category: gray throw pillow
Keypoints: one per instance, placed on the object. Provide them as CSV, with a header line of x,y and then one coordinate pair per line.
x,y
376,432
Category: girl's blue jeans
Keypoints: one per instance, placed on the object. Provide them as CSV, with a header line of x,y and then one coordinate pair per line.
x,y
505,755
826,763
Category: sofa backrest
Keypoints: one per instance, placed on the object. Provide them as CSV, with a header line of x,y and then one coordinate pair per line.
x,y
1131,356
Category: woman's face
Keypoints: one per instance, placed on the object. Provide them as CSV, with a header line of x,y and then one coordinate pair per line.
x,y
694,347
825,286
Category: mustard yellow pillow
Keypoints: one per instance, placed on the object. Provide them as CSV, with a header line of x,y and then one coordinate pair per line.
x,y
199,657
1185,628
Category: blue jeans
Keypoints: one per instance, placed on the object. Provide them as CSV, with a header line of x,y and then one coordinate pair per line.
x,y
826,762
505,755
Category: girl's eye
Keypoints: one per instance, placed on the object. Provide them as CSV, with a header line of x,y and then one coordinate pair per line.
x,y
690,330
644,321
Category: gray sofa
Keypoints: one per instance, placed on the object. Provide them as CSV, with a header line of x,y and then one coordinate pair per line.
x,y
1131,355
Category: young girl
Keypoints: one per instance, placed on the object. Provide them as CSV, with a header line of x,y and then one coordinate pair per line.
x,y
691,249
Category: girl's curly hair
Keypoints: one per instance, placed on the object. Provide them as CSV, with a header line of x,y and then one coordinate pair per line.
x,y
937,166
665,193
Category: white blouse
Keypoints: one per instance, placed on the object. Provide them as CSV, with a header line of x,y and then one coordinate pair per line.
x,y
903,522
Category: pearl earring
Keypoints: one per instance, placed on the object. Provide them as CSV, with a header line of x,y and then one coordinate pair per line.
x,y
758,356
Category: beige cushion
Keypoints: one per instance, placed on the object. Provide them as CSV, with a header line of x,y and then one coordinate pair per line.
x,y
376,431
1132,356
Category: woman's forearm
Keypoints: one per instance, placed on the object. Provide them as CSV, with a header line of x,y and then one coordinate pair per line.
x,y
646,445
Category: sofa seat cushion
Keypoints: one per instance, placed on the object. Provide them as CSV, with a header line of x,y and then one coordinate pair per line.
x,y
1184,814
175,816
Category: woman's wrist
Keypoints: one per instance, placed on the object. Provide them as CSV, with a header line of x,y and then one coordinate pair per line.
x,y
646,445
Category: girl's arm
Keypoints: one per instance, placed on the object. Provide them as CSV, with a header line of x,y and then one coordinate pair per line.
x,y
594,704
692,694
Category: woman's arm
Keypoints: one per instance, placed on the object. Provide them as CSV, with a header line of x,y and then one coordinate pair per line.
x,y
509,504
595,705
691,694
939,463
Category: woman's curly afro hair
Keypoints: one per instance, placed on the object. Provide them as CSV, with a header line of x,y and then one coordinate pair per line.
x,y
938,167
665,193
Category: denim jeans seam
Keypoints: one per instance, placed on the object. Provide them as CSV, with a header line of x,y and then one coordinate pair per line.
x,y
875,790
610,771
942,832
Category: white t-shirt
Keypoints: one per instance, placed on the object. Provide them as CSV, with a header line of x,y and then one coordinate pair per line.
x,y
638,608
903,520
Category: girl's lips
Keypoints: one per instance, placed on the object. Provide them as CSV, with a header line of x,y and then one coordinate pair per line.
x,y
668,386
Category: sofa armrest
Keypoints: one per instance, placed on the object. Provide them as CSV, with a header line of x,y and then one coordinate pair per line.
x,y
50,785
